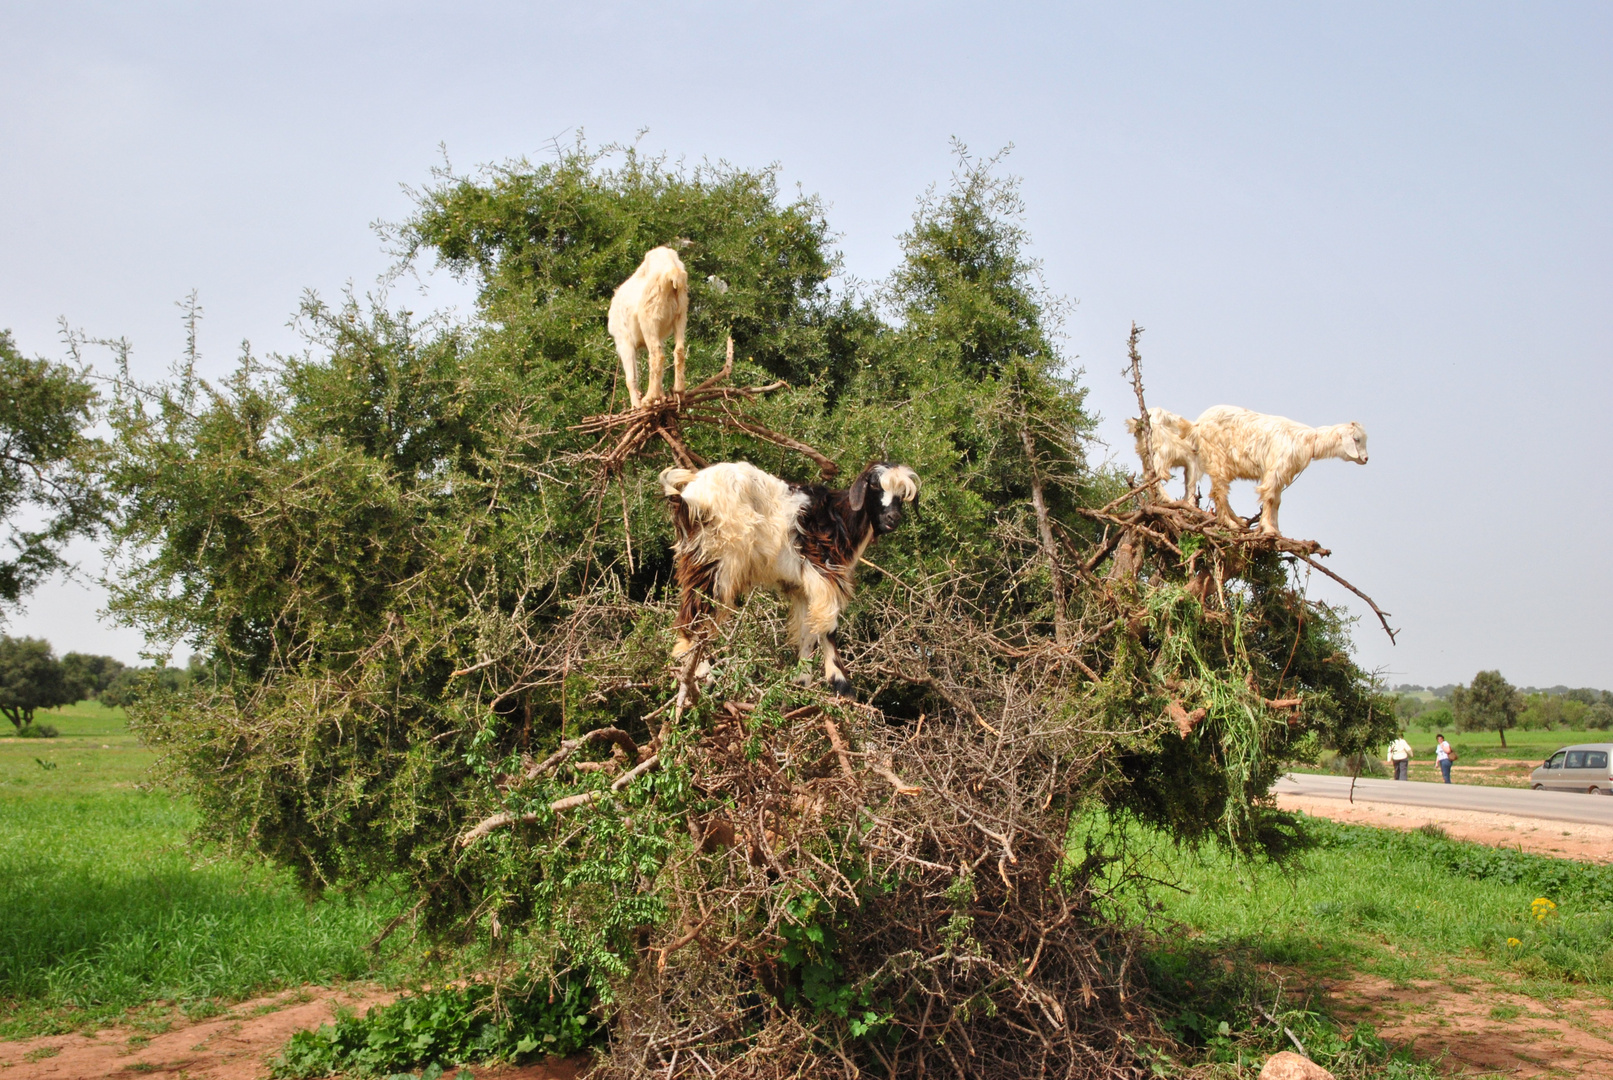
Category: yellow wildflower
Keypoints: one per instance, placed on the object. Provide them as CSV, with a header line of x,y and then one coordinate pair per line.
x,y
1513,943
1540,908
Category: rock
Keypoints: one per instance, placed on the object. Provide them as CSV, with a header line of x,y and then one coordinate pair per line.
x,y
1290,1066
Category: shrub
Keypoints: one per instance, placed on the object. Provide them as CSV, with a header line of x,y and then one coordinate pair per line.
x,y
38,731
1354,765
442,1028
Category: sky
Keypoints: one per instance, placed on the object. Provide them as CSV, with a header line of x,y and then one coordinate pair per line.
x,y
1392,213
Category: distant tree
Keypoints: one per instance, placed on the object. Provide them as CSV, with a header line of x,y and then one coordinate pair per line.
x,y
31,678
1437,718
1491,703
1599,717
130,683
91,675
45,466
1551,712
1408,707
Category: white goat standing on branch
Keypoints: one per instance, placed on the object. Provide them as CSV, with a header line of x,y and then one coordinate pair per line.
x,y
741,529
1175,447
648,306
1236,444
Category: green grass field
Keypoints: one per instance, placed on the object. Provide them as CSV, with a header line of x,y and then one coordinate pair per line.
x,y
103,908
1399,906
1394,904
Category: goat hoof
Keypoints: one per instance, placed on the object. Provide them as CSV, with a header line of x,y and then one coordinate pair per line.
x,y
802,678
842,686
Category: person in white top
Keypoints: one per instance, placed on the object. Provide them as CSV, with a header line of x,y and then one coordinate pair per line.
x,y
1400,758
1444,755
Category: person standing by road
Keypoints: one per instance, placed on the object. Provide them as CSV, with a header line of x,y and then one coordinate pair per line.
x,y
1400,757
1444,755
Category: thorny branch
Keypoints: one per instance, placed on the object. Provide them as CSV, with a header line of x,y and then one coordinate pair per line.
x,y
663,419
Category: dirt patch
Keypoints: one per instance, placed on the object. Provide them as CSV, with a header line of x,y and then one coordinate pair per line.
x,y
1469,1027
1563,839
234,1046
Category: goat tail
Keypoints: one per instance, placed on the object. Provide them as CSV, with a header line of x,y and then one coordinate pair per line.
x,y
674,480
666,294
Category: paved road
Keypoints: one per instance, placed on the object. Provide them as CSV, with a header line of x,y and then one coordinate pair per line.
x,y
1520,802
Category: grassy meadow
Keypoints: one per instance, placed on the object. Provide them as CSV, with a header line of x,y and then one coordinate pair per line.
x,y
103,908
1402,907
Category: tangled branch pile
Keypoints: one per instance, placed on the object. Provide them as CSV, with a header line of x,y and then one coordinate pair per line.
x,y
438,636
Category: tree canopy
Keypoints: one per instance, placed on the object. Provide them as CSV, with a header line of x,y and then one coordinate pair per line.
x,y
46,466
412,584
31,678
1489,704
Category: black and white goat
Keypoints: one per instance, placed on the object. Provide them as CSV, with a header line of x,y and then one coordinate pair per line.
x,y
740,529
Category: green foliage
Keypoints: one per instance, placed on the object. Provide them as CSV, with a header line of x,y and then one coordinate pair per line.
x,y
1490,704
817,978
39,731
31,678
1213,782
47,464
90,676
445,1027
1438,719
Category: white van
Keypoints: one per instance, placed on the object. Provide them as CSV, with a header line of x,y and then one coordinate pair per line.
x,y
1576,768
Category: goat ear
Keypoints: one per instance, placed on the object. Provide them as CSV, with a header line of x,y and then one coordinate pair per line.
x,y
858,493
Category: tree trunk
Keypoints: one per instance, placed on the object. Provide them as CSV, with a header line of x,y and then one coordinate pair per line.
x,y
1044,529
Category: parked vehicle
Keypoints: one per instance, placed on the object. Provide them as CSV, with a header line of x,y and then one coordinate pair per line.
x,y
1584,767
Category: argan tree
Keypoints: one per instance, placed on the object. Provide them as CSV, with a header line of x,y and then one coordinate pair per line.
x,y
1489,704
31,678
436,629
46,466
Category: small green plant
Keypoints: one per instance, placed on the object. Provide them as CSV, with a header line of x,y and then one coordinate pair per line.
x,y
821,983
43,764
38,731
445,1027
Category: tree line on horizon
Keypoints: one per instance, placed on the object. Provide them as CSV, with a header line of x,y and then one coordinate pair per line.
x,y
1491,703
32,678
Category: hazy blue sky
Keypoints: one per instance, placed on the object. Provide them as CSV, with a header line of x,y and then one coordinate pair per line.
x,y
1400,214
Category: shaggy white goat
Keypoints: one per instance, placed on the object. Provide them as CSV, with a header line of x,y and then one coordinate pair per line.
x,y
648,306
1174,448
740,529
1236,444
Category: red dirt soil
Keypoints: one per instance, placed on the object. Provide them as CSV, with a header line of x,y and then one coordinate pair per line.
x,y
234,1046
1469,1027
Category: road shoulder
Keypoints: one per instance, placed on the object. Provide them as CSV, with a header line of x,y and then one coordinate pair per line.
x,y
1538,836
